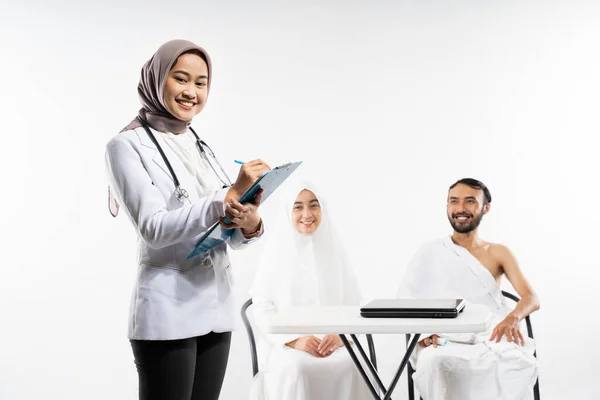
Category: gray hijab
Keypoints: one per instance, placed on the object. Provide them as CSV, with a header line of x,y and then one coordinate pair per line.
x,y
151,90
152,85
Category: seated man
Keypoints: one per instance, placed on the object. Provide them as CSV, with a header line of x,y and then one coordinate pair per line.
x,y
494,365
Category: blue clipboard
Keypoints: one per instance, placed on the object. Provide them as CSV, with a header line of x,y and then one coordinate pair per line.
x,y
269,182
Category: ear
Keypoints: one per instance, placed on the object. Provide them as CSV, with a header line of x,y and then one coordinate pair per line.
x,y
486,208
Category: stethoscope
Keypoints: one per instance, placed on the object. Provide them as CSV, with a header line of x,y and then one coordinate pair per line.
x,y
180,192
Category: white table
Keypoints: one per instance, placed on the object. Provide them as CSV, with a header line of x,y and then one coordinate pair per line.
x,y
347,320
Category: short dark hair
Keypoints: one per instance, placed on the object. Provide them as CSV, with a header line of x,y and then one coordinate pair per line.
x,y
475,184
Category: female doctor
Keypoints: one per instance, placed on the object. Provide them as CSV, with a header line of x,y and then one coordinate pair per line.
x,y
173,189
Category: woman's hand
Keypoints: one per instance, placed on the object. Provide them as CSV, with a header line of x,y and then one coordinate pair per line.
x,y
249,173
329,344
244,216
309,344
509,327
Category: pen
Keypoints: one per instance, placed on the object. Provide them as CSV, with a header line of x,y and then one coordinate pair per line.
x,y
238,161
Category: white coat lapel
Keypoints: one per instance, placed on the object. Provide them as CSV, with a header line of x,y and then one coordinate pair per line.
x,y
186,180
156,156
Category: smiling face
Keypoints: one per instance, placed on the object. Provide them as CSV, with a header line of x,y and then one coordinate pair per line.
x,y
186,87
306,214
466,208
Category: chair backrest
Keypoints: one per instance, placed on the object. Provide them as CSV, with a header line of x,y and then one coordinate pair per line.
x,y
251,338
527,319
536,387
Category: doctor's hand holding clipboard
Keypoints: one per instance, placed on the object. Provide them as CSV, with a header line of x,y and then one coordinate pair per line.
x,y
255,195
244,216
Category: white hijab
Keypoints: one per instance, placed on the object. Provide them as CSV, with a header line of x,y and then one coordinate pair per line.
x,y
298,269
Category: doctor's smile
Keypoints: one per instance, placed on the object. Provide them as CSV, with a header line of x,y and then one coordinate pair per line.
x,y
186,105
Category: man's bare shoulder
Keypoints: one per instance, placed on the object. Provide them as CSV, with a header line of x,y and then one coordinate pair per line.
x,y
500,252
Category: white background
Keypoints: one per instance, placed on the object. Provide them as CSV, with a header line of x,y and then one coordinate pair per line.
x,y
386,102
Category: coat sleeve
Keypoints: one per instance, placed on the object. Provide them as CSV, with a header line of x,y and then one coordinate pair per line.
x,y
156,225
238,241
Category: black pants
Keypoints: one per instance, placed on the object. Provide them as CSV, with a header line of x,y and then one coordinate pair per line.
x,y
186,369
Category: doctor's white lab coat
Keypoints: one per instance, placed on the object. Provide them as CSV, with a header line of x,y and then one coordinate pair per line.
x,y
173,298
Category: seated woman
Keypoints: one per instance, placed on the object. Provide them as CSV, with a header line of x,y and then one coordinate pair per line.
x,y
304,264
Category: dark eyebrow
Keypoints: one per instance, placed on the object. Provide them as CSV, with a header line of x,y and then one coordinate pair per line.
x,y
179,71
314,200
466,198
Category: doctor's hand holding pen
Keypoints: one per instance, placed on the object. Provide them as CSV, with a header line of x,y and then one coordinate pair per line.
x,y
249,172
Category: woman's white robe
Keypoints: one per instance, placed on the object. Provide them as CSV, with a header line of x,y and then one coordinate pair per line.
x,y
300,270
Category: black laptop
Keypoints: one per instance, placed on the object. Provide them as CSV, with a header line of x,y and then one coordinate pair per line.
x,y
413,308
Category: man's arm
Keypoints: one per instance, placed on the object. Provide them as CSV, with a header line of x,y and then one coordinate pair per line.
x,y
529,301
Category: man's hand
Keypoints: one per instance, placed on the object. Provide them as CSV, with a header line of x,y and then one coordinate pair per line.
x,y
309,344
509,327
428,341
329,344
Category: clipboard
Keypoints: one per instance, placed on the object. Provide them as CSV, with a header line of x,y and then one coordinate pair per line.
x,y
269,182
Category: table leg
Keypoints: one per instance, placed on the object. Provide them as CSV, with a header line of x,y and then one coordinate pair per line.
x,y
405,359
359,366
369,364
403,363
